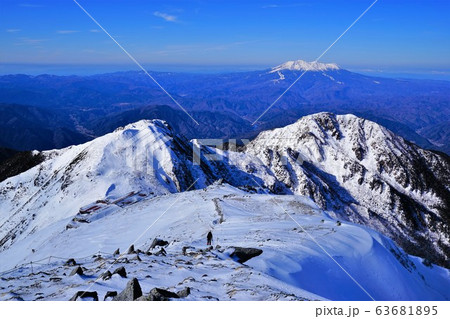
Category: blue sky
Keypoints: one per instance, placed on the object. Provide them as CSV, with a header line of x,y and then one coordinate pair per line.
x,y
406,36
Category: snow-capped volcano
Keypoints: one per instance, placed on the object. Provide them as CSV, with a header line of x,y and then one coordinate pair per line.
x,y
300,65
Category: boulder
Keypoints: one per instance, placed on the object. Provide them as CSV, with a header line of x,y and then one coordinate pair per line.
x,y
158,294
141,298
131,250
184,293
241,254
106,275
131,292
121,272
70,262
85,294
161,252
158,242
110,294
77,271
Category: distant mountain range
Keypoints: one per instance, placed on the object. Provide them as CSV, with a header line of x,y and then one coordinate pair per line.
x,y
46,111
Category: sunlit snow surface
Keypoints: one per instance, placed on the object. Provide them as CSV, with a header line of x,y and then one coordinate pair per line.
x,y
291,267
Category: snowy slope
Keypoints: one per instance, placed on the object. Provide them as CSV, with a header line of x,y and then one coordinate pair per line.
x,y
291,267
366,174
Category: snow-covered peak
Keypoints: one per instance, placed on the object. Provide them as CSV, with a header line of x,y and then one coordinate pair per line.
x,y
301,65
143,125
348,164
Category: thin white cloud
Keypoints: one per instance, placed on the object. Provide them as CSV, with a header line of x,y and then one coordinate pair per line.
x,y
165,16
13,30
94,30
29,41
30,5
66,31
290,5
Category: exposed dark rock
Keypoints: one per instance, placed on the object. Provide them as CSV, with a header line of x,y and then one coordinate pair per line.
x,y
141,298
131,250
116,252
158,242
121,272
77,271
110,294
106,275
161,252
85,294
70,262
185,250
241,254
131,292
158,294
184,293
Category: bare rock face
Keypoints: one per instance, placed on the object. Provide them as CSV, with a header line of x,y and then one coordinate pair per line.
x,y
365,174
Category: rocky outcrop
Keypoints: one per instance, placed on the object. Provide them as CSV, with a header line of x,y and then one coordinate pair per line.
x,y
70,262
157,242
241,254
131,250
77,271
131,292
85,294
121,271
159,294
110,294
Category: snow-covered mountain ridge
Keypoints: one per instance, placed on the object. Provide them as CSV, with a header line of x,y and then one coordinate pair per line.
x,y
352,169
366,174
143,158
